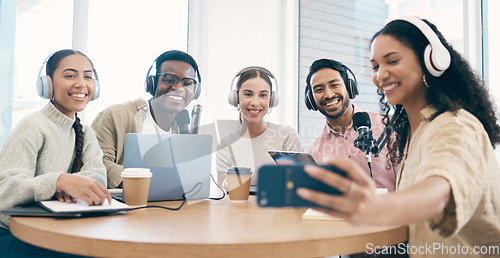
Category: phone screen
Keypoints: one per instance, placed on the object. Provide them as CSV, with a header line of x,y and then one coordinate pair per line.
x,y
278,185
291,158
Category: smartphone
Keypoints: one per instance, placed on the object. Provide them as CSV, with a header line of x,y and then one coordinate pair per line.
x,y
277,185
291,157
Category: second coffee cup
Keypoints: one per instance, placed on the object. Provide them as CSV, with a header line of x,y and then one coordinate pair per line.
x,y
136,185
238,183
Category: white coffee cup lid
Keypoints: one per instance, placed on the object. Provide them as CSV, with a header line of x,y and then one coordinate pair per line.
x,y
136,172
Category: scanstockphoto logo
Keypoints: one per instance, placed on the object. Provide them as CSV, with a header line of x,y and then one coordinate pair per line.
x,y
432,249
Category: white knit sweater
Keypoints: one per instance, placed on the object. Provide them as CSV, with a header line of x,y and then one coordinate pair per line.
x,y
39,149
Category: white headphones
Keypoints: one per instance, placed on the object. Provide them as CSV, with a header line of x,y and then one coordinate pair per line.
x,y
45,88
436,57
232,98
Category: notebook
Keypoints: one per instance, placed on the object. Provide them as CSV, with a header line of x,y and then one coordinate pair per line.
x,y
35,210
180,163
55,208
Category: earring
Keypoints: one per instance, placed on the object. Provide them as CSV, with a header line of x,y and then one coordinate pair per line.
x,y
425,82
269,111
238,107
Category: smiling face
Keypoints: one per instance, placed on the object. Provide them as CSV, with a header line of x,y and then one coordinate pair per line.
x,y
330,93
174,98
396,71
253,99
73,84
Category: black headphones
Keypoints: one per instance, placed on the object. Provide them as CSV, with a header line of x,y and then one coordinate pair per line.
x,y
151,80
351,85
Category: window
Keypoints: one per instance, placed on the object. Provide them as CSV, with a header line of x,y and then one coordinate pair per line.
x,y
42,27
342,30
122,43
491,54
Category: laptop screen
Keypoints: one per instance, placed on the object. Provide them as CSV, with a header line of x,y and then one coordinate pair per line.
x,y
180,163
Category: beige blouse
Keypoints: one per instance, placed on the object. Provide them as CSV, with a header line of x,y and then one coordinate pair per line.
x,y
456,147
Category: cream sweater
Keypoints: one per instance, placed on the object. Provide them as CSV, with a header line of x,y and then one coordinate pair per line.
x,y
38,150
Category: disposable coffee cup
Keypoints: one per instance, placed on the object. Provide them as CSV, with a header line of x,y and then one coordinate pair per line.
x,y
136,186
238,183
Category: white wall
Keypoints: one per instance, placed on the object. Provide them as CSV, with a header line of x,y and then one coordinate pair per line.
x,y
228,35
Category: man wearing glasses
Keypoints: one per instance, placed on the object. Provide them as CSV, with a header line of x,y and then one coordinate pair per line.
x,y
173,83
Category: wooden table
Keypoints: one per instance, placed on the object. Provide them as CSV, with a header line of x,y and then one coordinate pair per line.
x,y
205,229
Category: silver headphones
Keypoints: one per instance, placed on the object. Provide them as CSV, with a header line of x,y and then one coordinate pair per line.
x,y
436,57
45,87
233,93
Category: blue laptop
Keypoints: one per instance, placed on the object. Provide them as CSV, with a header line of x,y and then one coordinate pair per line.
x,y
180,164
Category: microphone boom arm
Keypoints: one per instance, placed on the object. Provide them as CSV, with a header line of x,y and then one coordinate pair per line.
x,y
195,115
386,134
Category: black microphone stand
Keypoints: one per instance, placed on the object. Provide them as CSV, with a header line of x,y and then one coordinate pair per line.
x,y
386,134
366,143
195,117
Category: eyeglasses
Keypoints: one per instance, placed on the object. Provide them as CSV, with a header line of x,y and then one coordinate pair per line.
x,y
172,79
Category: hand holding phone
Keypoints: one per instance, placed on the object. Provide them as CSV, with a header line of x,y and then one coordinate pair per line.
x,y
277,185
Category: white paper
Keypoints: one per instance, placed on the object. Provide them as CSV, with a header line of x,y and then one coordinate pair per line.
x,y
80,206
318,215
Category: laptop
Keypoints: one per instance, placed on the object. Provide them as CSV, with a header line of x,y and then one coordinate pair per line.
x,y
55,208
180,164
35,210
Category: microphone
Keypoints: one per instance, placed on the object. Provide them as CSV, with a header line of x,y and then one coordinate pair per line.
x,y
365,141
195,115
182,120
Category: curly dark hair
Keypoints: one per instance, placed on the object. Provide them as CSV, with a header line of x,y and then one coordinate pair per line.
x,y
459,87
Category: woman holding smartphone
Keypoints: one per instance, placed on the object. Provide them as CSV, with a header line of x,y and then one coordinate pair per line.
x,y
50,154
254,96
447,185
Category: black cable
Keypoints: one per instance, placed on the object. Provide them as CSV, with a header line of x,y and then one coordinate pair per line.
x,y
162,207
184,199
223,192
370,166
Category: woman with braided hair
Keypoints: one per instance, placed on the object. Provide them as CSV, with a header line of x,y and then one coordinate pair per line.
x,y
50,154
